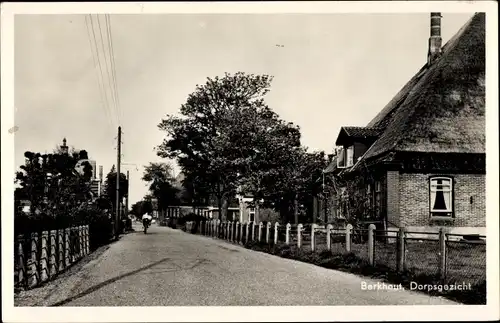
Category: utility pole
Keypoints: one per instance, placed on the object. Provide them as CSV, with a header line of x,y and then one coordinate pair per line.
x,y
118,161
126,197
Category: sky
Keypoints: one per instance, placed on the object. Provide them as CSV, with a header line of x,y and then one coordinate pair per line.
x,y
330,70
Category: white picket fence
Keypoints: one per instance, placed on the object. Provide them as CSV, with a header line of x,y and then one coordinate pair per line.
x,y
41,256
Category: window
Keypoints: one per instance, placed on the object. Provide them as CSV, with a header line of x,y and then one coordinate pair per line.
x,y
441,196
350,156
251,214
341,163
345,157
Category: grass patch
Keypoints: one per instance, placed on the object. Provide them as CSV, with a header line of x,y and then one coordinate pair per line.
x,y
352,263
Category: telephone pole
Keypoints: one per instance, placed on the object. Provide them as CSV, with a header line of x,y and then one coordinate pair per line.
x,y
126,196
118,162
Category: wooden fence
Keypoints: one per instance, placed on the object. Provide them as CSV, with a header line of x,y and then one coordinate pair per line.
x,y
441,254
39,257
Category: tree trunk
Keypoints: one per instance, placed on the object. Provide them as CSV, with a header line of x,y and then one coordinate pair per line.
x,y
257,212
224,208
296,208
219,207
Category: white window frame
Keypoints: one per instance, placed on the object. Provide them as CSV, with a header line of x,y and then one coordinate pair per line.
x,y
447,184
341,160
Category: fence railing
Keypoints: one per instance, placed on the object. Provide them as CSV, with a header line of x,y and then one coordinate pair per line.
x,y
446,256
40,256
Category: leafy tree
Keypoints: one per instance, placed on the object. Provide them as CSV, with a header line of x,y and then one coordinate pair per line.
x,y
110,186
141,207
161,183
53,186
198,139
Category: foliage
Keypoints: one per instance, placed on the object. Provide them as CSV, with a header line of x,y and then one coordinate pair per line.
x,y
228,141
200,139
355,191
59,196
161,184
53,187
141,207
110,186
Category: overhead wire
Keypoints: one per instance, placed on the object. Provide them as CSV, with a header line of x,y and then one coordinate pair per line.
x,y
100,79
113,65
108,66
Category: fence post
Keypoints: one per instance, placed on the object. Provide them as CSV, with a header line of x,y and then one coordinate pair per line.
x,y
253,231
52,257
231,231
21,274
401,249
87,245
44,270
276,225
260,231
246,231
287,233
313,238
442,253
299,235
268,227
67,261
82,245
60,249
33,275
371,244
329,228
240,238
348,238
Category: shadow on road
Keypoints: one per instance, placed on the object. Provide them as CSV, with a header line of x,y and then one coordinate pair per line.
x,y
137,271
107,282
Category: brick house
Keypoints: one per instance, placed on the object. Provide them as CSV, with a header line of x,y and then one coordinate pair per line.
x,y
420,163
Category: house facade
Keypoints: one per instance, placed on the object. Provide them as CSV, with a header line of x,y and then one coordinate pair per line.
x,y
420,163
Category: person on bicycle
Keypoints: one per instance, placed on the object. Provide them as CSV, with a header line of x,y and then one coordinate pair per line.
x,y
146,219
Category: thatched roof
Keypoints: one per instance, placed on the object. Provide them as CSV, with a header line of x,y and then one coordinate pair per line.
x,y
442,108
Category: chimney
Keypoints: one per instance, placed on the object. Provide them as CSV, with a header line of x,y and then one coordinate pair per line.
x,y
435,39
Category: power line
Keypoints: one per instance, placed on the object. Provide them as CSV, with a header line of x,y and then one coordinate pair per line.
x,y
113,65
99,62
110,79
100,83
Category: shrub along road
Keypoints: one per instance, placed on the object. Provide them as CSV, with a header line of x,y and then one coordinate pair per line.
x,y
170,267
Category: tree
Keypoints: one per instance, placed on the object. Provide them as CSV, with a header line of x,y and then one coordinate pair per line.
x,y
141,207
161,183
53,186
110,186
199,138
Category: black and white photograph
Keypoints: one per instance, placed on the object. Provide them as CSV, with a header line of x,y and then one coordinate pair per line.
x,y
217,162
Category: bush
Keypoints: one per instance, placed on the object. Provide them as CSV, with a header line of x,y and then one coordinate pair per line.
x,y
99,222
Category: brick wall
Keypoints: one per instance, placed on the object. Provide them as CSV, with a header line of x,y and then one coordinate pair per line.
x,y
393,198
414,199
